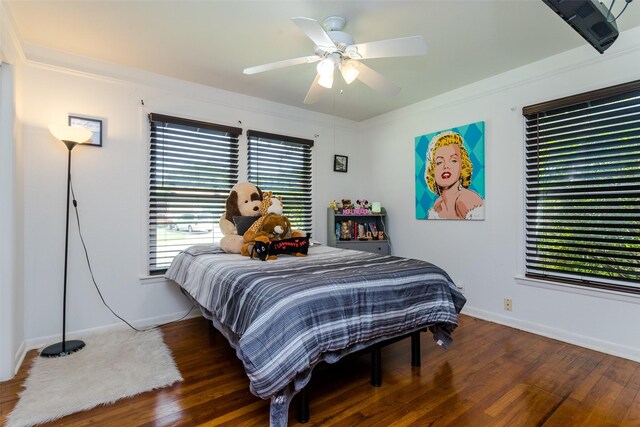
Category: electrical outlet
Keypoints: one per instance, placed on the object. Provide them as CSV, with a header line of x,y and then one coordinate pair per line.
x,y
508,304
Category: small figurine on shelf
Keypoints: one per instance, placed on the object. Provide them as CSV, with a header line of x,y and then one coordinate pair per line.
x,y
346,204
363,204
360,208
334,205
380,235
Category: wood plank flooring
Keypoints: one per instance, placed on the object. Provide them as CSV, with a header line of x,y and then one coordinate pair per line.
x,y
492,376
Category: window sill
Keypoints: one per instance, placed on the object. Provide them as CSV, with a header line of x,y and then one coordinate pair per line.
x,y
151,280
581,290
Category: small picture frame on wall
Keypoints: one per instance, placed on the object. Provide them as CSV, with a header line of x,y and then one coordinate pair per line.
x,y
340,163
93,125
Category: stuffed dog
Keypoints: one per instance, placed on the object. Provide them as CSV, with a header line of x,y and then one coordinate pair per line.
x,y
243,201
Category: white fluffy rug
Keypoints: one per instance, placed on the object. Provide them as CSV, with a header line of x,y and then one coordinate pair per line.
x,y
112,366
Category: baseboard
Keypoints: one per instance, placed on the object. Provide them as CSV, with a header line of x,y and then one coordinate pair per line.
x,y
39,342
607,347
19,358
602,346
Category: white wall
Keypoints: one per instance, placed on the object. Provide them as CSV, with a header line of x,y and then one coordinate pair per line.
x,y
11,212
111,184
486,257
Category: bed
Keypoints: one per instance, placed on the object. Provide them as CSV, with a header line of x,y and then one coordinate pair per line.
x,y
284,316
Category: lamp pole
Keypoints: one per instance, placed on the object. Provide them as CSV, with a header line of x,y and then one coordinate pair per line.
x,y
65,347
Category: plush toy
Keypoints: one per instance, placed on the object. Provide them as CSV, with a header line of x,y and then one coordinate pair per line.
x,y
298,246
243,201
269,204
272,227
275,227
362,204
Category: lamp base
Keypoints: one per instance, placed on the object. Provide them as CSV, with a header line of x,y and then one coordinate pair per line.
x,y
55,350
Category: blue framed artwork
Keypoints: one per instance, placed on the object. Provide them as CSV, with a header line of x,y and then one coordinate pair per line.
x,y
450,173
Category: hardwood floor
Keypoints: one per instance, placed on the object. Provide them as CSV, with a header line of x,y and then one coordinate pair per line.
x,y
492,376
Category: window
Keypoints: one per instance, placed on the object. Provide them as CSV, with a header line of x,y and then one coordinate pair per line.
x,y
193,166
583,189
282,164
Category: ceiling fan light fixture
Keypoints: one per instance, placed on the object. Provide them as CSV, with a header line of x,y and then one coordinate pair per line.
x,y
349,71
327,65
335,48
326,80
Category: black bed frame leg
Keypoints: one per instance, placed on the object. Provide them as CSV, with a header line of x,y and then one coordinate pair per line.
x,y
376,366
415,349
303,406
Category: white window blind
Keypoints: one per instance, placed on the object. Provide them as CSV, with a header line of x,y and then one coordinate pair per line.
x,y
583,189
193,166
282,164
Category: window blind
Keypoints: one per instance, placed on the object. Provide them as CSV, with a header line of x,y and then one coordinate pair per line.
x,y
583,189
282,164
193,166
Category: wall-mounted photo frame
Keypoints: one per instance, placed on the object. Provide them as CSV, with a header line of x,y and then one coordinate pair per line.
x,y
340,163
93,125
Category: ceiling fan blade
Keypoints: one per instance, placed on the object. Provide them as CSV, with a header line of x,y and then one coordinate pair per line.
x,y
282,64
315,90
375,80
406,46
313,29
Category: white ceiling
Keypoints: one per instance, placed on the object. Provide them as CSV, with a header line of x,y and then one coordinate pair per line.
x,y
211,42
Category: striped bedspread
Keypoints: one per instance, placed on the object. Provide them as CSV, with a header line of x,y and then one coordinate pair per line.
x,y
283,315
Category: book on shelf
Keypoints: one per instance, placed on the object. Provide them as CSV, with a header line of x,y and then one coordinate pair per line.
x,y
344,230
373,228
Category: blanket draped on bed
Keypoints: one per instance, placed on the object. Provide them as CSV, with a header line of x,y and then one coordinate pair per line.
x,y
284,316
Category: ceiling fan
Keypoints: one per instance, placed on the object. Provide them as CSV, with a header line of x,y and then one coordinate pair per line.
x,y
336,49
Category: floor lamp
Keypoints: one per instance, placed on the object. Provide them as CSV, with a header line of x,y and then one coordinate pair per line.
x,y
70,136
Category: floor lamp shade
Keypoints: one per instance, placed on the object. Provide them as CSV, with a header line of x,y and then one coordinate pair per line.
x,y
70,136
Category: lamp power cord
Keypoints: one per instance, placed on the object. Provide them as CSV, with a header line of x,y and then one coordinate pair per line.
x,y
93,279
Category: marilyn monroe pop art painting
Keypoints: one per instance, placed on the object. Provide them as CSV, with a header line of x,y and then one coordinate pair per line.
x,y
450,173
